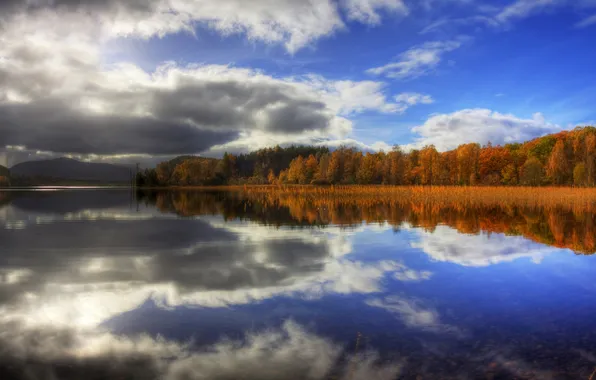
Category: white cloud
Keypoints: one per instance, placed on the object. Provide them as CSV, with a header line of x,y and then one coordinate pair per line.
x,y
410,275
212,263
57,95
406,100
349,142
265,355
524,8
417,61
588,21
349,97
295,23
447,131
503,16
413,313
252,141
448,245
367,11
173,110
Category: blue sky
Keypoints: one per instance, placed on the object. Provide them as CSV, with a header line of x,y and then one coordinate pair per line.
x,y
131,80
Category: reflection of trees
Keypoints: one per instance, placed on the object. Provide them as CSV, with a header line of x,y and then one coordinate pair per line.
x,y
557,225
4,199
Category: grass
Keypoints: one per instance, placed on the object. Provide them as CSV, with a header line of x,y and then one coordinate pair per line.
x,y
575,198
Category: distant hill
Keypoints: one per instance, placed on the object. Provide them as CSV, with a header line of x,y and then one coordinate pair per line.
x,y
64,170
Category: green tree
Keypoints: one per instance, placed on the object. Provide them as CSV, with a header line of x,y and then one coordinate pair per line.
x,y
579,174
542,148
509,175
531,174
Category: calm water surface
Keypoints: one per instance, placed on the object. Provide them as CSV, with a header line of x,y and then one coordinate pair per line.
x,y
104,285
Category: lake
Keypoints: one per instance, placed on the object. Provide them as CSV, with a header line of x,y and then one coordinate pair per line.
x,y
106,284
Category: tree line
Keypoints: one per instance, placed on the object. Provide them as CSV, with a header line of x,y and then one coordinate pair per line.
x,y
563,159
4,176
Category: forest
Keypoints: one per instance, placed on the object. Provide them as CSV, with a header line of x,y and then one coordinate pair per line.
x,y
4,176
567,158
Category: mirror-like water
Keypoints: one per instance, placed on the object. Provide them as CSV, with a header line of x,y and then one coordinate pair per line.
x,y
195,285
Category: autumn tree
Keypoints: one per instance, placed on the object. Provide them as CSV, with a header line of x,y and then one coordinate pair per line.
x,y
352,159
492,162
366,171
228,164
297,171
531,174
449,168
467,163
509,175
164,172
283,177
397,166
271,177
322,168
541,148
413,168
557,167
311,165
430,162
579,174
4,181
335,168
590,159
567,157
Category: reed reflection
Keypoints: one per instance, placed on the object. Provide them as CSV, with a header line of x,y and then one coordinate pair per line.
x,y
559,226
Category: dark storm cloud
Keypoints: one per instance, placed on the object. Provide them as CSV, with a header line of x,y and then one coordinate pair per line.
x,y
92,5
298,116
236,104
53,127
58,97
189,118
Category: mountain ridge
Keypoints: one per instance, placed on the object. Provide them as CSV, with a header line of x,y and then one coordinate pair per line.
x,y
68,169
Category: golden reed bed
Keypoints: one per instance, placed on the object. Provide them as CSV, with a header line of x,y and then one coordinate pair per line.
x,y
574,198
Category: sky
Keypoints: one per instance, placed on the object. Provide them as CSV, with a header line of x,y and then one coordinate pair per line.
x,y
147,80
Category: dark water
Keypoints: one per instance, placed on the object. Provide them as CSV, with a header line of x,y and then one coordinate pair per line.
x,y
103,285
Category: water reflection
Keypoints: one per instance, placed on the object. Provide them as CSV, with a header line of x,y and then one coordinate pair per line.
x,y
216,285
559,226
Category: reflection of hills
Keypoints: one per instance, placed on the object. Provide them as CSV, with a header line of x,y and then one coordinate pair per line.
x,y
555,225
60,202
